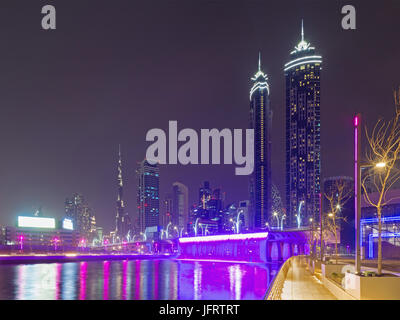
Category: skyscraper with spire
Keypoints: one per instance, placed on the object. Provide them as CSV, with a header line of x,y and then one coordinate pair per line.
x,y
260,121
122,220
303,125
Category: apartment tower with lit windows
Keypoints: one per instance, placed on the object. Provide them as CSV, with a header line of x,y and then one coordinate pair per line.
x,y
148,195
260,121
303,125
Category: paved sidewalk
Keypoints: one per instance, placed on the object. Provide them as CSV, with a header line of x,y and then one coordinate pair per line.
x,y
300,284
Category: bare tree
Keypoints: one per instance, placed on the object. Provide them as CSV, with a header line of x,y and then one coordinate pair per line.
x,y
337,197
382,154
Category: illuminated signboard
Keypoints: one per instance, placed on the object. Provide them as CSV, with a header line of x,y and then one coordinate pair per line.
x,y
67,224
36,222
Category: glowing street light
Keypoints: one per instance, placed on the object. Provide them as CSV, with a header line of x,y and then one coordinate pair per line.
x,y
380,165
277,218
168,225
301,203
21,242
283,217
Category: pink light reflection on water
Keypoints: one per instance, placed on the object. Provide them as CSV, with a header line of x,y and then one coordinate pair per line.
x,y
124,279
155,278
82,280
106,279
58,281
223,281
141,279
137,279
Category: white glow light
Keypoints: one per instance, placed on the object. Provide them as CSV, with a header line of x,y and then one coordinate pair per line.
x,y
301,63
36,222
67,224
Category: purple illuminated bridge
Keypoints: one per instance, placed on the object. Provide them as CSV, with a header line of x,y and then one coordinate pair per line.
x,y
250,247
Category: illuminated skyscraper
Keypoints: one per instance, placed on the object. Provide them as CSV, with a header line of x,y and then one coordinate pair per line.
x,y
148,195
303,164
180,216
166,213
80,213
260,121
122,220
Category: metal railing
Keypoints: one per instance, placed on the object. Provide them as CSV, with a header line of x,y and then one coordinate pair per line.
x,y
275,290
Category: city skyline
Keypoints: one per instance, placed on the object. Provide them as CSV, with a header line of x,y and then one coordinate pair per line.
x,y
86,166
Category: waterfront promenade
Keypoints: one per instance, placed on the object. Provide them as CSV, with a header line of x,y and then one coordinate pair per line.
x,y
300,284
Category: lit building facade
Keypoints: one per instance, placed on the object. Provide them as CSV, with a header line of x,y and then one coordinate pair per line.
x,y
390,227
260,121
180,216
122,219
40,234
166,213
303,159
2,235
80,213
148,195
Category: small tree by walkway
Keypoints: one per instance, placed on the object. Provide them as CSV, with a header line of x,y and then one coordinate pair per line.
x,y
382,154
337,197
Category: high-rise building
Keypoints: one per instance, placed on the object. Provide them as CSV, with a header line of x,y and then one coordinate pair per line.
x,y
122,219
180,216
148,195
166,212
80,213
260,121
204,194
303,164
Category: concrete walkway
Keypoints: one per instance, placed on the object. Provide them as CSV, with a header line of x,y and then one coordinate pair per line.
x,y
300,284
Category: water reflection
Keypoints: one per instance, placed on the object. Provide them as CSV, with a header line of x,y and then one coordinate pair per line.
x,y
136,279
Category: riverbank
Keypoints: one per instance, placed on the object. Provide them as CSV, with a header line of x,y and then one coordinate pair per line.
x,y
76,257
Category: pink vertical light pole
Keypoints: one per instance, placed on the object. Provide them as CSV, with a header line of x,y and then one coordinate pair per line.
x,y
357,190
321,243
21,242
55,243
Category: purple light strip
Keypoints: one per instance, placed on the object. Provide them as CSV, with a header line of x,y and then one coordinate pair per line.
x,y
226,237
217,260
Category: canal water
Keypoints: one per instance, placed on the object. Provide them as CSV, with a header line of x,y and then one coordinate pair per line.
x,y
136,279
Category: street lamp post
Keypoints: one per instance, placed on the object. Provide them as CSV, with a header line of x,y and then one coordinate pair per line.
x,y
277,218
357,189
321,243
312,237
283,217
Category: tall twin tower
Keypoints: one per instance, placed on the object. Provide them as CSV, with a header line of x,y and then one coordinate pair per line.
x,y
303,161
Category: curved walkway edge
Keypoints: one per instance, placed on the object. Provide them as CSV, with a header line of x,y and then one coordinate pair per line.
x,y
300,284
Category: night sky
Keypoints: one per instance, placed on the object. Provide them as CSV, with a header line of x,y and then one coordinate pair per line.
x,y
115,69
